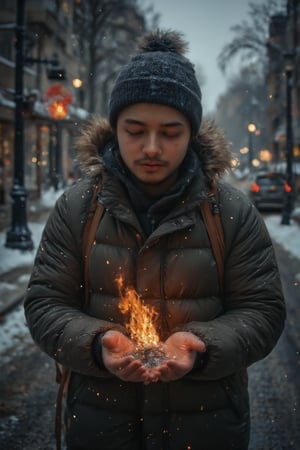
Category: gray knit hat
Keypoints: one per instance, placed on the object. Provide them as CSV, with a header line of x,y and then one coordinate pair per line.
x,y
159,74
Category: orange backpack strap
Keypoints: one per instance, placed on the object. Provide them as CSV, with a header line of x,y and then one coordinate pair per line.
x,y
212,220
62,373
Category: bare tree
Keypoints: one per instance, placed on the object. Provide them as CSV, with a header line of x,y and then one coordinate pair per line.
x,y
249,41
105,33
244,102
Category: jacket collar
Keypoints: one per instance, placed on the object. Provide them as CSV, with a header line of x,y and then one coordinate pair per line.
x,y
210,145
152,210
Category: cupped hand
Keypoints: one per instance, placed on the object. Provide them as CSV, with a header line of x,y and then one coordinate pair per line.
x,y
181,349
117,357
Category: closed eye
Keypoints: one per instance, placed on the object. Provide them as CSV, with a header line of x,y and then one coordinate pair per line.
x,y
134,133
171,136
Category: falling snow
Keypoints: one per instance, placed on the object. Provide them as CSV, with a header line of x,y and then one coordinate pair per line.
x,y
13,328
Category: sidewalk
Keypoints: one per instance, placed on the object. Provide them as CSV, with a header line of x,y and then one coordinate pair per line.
x,y
35,209
13,281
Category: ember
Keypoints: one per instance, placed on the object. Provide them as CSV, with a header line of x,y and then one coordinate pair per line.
x,y
151,356
141,326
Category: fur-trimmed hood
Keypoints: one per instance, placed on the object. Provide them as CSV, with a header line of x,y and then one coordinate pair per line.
x,y
210,144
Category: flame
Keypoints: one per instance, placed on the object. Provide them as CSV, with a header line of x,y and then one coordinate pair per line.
x,y
141,318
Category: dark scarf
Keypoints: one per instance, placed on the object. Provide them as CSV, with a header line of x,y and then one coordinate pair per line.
x,y
151,209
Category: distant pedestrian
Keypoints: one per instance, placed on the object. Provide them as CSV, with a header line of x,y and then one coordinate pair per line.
x,y
155,161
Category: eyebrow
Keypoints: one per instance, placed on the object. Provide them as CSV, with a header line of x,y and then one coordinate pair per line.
x,y
174,123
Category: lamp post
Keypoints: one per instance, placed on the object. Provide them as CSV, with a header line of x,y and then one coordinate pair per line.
x,y
77,85
251,129
57,99
288,195
19,236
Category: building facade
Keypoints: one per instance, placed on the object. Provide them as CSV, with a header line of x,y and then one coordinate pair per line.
x,y
283,74
50,66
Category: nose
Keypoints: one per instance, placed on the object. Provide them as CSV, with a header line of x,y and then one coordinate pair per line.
x,y
152,146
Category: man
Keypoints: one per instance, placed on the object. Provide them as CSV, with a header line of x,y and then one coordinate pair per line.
x,y
156,162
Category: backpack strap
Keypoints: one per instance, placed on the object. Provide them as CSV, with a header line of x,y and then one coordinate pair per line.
x,y
87,242
62,377
211,216
63,373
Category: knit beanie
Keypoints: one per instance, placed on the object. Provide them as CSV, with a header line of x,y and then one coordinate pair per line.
x,y
159,73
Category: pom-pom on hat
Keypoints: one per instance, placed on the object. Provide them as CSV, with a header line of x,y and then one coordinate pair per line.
x,y
159,73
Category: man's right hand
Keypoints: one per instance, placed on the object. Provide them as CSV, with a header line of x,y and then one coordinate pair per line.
x,y
117,350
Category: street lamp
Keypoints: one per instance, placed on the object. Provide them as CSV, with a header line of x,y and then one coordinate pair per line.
x,y
77,82
251,129
288,195
19,236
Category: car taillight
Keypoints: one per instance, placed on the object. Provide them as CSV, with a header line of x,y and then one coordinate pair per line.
x,y
288,188
255,187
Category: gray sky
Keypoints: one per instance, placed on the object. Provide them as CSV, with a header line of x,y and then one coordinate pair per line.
x,y
205,25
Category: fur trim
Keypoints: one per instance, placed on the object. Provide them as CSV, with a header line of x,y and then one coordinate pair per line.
x,y
214,150
90,144
210,144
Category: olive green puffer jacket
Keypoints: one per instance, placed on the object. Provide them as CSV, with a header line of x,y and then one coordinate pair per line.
x,y
173,270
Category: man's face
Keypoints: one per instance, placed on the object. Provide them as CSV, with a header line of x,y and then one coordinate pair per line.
x,y
153,141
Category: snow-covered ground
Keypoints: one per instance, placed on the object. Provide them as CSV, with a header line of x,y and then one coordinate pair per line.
x,y
11,259
13,328
288,236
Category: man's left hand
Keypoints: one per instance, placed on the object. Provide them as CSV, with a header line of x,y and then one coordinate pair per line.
x,y
181,348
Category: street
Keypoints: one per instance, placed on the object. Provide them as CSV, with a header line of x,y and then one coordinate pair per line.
x,y
274,382
28,388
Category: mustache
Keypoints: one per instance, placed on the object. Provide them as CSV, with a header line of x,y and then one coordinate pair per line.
x,y
152,161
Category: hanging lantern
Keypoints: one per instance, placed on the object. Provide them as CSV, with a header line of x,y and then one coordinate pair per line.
x,y
57,99
57,110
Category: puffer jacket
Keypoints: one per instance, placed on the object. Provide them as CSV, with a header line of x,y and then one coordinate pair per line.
x,y
174,271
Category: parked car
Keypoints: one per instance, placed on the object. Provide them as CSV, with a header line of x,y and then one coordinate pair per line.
x,y
268,191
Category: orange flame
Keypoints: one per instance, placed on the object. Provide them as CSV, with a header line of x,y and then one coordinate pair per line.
x,y
141,317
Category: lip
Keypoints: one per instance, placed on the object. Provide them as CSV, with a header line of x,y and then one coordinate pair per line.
x,y
151,167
